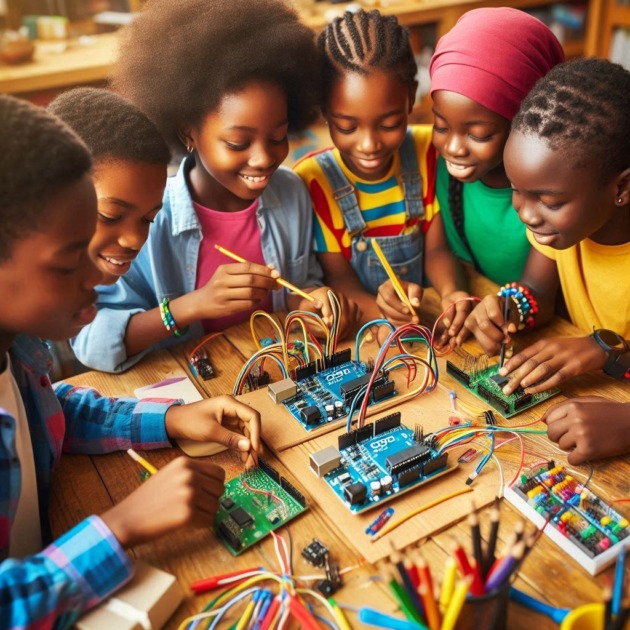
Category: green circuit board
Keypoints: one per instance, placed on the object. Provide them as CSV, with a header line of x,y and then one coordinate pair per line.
x,y
254,504
487,384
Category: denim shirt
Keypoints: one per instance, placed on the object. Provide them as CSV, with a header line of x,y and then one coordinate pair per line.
x,y
84,566
167,265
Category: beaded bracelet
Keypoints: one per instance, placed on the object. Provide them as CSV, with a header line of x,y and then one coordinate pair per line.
x,y
526,303
169,321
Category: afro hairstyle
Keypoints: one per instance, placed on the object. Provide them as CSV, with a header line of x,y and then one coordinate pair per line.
x,y
179,59
40,157
111,127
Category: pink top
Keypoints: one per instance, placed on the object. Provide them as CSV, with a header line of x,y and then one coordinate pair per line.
x,y
239,232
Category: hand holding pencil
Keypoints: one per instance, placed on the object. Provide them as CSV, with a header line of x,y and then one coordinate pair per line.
x,y
183,493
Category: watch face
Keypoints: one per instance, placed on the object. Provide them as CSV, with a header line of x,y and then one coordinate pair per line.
x,y
611,339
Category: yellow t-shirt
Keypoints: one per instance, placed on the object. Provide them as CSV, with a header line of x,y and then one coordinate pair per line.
x,y
594,280
382,202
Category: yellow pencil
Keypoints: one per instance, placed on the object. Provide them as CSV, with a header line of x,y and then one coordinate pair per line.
x,y
448,583
456,604
393,277
280,281
150,468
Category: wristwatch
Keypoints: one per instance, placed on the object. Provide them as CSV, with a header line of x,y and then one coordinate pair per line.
x,y
618,362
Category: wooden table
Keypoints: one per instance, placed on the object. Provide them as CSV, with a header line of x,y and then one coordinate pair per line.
x,y
86,485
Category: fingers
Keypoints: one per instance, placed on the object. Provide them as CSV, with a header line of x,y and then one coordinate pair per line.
x,y
233,408
415,292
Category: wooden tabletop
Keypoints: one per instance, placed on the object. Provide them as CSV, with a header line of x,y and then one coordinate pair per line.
x,y
86,485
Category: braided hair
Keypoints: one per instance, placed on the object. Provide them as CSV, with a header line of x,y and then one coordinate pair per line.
x,y
361,42
581,108
456,206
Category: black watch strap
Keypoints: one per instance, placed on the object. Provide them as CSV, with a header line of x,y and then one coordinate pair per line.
x,y
618,364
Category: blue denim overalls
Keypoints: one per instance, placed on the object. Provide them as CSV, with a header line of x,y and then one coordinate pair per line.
x,y
403,252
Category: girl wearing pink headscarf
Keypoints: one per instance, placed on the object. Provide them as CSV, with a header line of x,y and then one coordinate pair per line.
x,y
480,72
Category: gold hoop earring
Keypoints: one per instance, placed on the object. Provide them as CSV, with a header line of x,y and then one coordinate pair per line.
x,y
189,148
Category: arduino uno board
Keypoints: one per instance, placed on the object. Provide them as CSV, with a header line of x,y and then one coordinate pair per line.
x,y
323,391
377,462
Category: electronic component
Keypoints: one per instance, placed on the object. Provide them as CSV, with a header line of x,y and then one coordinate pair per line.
x,y
324,461
326,389
282,390
468,456
580,522
227,503
380,521
200,366
355,493
486,383
241,517
332,583
315,553
379,461
254,504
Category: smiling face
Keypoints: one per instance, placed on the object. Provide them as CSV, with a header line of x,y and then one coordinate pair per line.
x,y
239,146
50,276
129,195
559,203
367,120
470,138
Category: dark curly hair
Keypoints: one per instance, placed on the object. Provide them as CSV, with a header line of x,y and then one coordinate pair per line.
x,y
111,127
582,109
40,156
179,59
361,42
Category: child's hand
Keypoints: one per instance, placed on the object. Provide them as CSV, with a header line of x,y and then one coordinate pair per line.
x,y
393,308
234,288
222,419
549,362
185,492
487,324
454,317
590,427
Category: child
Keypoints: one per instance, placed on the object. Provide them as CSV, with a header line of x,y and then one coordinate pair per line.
x,y
46,223
378,180
237,77
568,159
130,159
480,72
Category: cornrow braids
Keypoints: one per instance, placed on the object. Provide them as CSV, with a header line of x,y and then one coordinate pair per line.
x,y
456,206
361,42
581,108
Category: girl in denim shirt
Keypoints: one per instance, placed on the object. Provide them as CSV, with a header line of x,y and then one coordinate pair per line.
x,y
224,82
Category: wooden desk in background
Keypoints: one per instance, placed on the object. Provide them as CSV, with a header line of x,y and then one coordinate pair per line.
x,y
86,485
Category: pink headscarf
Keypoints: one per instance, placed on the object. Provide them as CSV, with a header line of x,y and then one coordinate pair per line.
x,y
494,56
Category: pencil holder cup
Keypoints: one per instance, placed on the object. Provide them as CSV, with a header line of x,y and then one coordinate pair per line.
x,y
587,617
489,611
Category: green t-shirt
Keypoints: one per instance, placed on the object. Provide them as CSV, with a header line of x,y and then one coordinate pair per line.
x,y
491,224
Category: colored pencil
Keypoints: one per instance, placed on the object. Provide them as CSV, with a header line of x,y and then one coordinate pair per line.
x,y
448,583
280,281
400,292
150,468
495,516
620,568
456,603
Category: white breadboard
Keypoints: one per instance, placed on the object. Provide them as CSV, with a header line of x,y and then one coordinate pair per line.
x,y
595,563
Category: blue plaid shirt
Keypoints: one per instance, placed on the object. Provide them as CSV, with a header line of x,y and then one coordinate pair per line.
x,y
83,567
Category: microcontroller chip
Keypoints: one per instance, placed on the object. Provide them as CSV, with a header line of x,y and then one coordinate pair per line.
x,y
241,517
227,503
